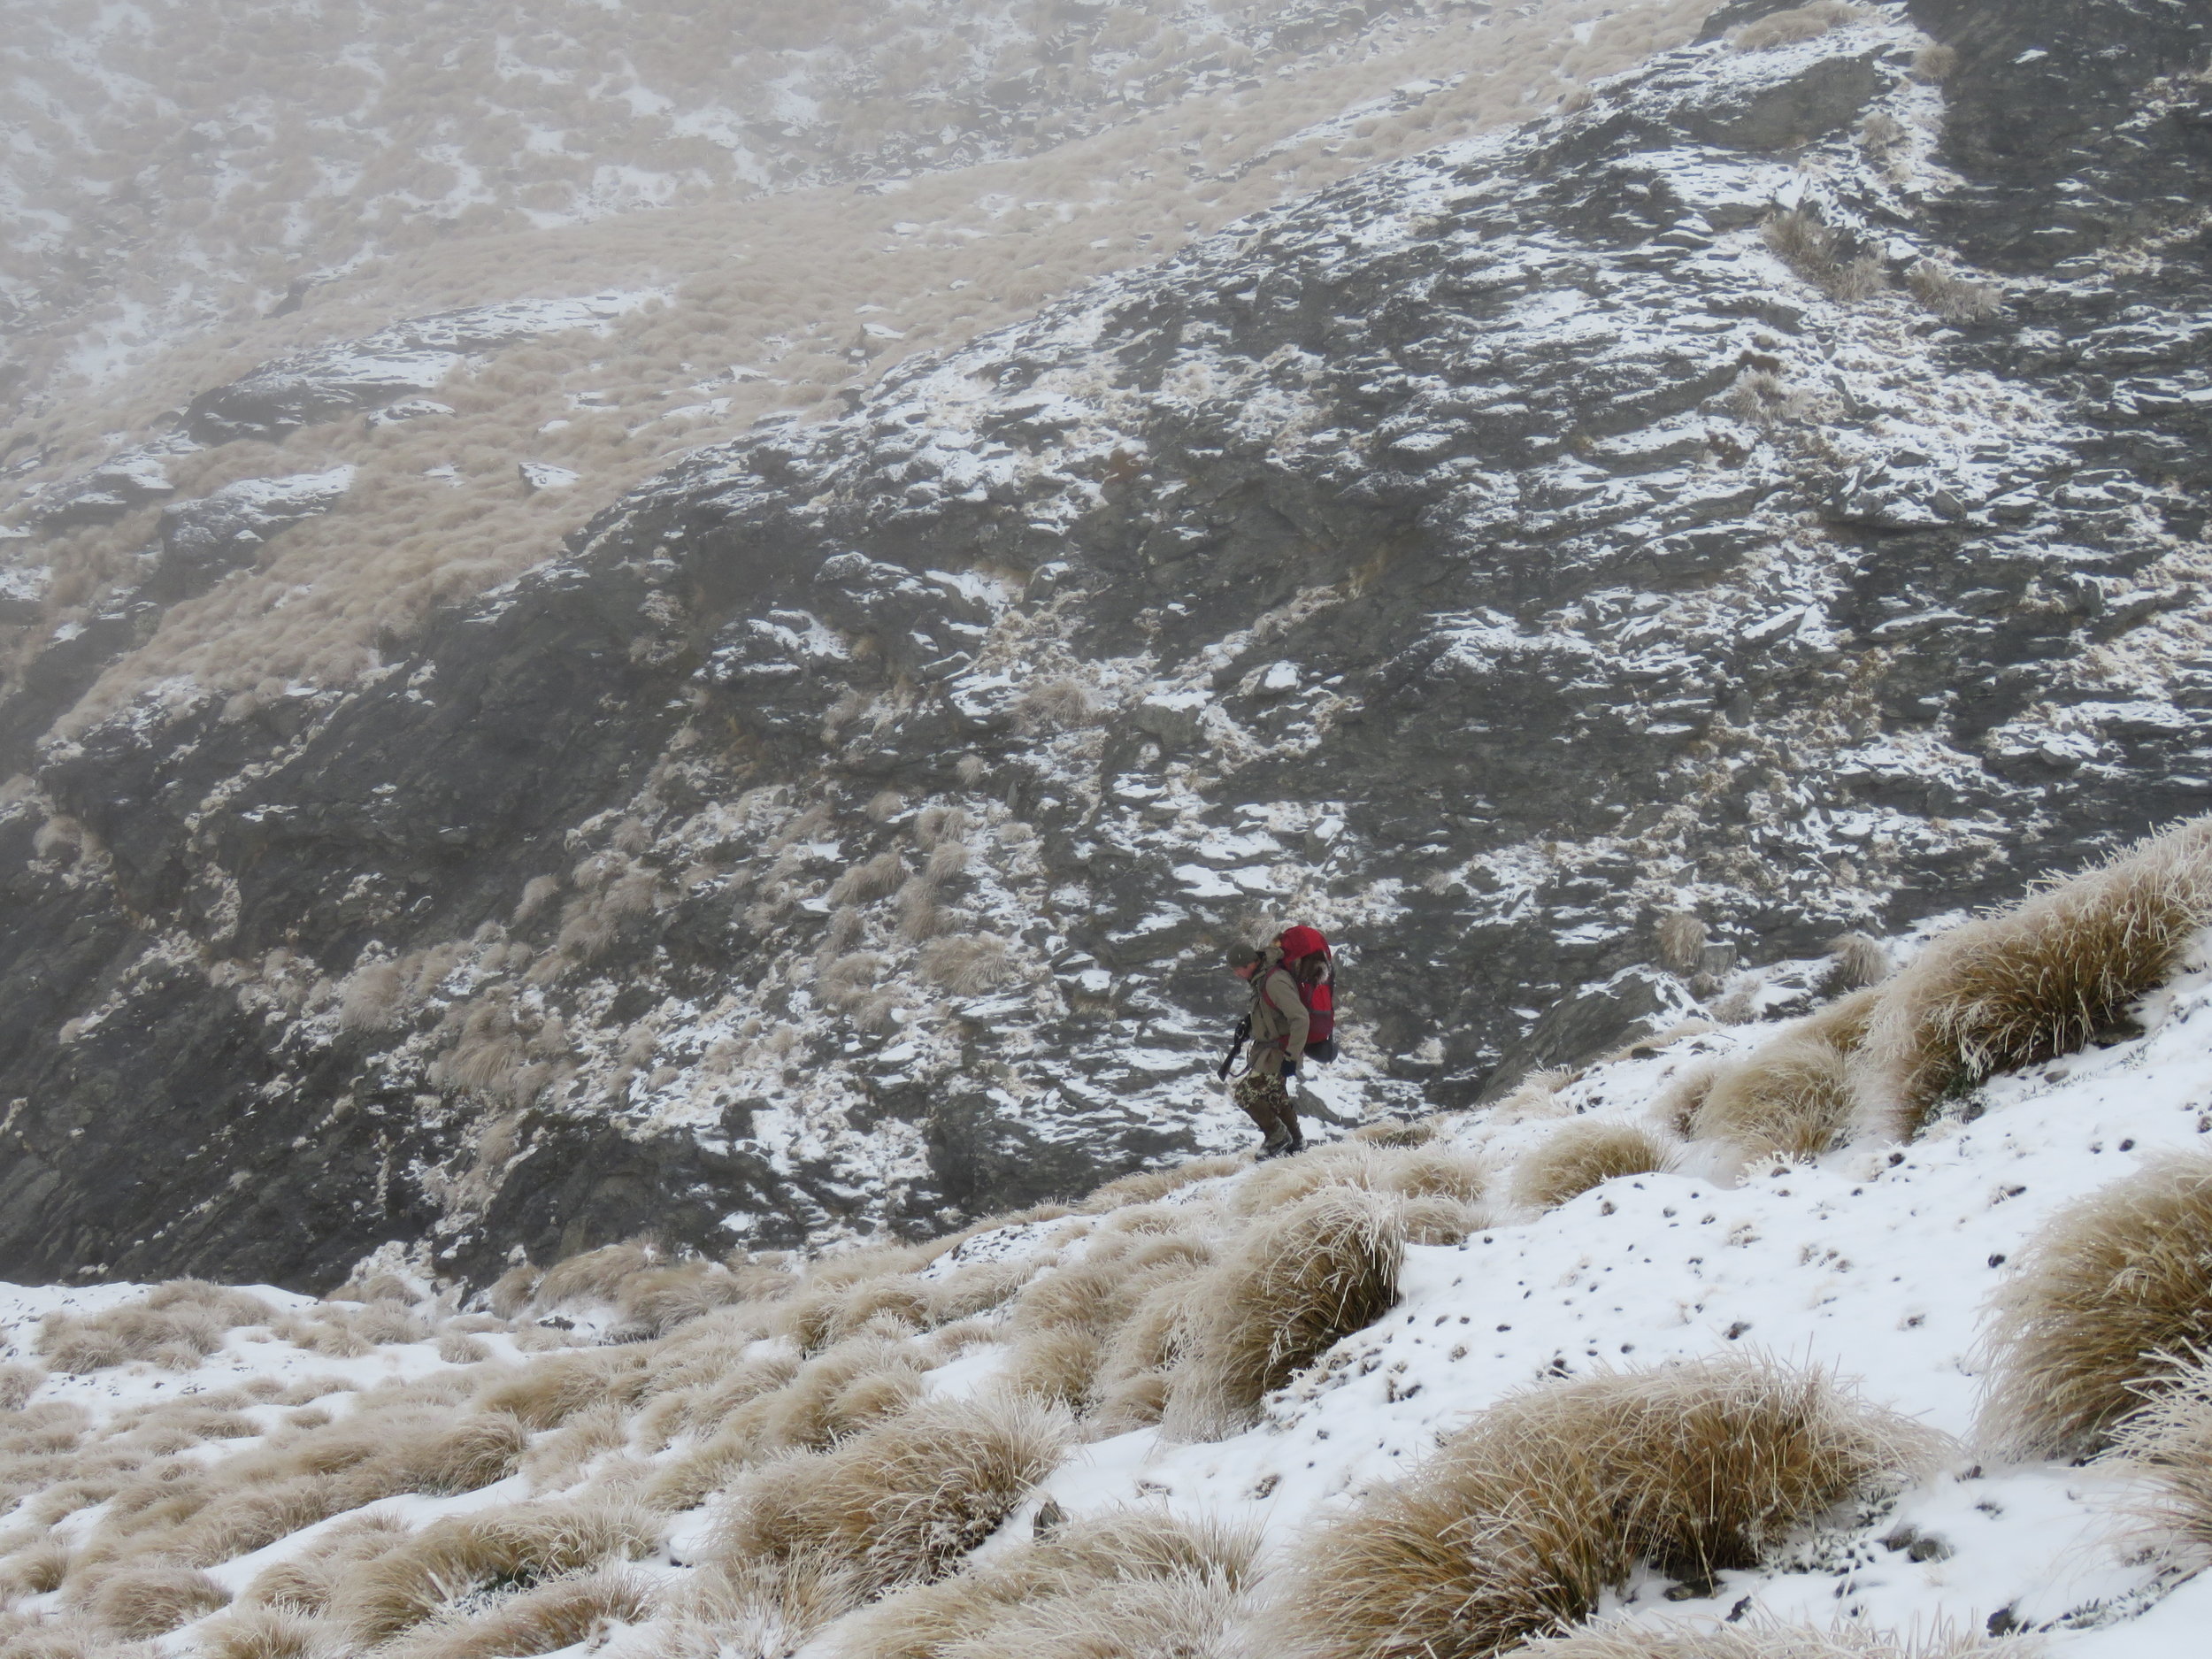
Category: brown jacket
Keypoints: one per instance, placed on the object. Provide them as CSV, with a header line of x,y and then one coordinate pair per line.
x,y
1280,1021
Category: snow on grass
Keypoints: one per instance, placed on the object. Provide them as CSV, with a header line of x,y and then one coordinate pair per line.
x,y
1875,1262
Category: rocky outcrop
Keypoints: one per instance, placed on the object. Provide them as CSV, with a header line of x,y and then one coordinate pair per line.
x,y
1773,492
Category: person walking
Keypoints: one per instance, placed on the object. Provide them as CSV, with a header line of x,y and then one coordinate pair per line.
x,y
1279,1027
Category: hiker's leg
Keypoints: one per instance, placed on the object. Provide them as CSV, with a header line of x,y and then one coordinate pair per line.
x,y
1288,1109
1259,1093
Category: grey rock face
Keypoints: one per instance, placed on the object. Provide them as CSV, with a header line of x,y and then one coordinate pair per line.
x,y
202,540
1775,491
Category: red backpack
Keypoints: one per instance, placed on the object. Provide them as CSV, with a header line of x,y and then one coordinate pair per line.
x,y
1307,954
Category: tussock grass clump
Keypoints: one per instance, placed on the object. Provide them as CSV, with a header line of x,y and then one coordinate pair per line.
x,y
1144,1187
2109,1302
1121,1586
37,1569
1952,297
546,1394
898,1505
1419,1172
1821,255
136,1603
1798,23
1857,961
1625,1640
18,1384
1681,937
2036,981
595,1276
2170,1443
451,1560
175,1325
966,964
266,1632
1066,1324
303,1583
1579,1155
1295,1285
1790,1098
1526,1518
562,1614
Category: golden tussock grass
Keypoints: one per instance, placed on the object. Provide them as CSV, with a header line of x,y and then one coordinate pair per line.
x,y
2109,1300
1681,939
2168,1443
137,1603
1578,1157
1396,1132
450,1560
595,1276
1092,1588
966,964
544,1394
1523,1520
1789,1098
303,1582
18,1384
36,1568
1627,1641
898,1504
1677,1103
1857,961
2039,979
1294,1285
582,1609
1143,1186
266,1632
1418,1171
175,1325
1798,23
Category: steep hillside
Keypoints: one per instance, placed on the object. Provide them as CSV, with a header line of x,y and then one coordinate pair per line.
x,y
1770,494
1586,1374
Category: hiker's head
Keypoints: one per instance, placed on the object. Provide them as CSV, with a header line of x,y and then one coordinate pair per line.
x,y
1245,960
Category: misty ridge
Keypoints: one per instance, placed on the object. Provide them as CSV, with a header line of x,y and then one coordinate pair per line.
x,y
782,203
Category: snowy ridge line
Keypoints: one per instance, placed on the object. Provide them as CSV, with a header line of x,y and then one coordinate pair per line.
x,y
1129,1418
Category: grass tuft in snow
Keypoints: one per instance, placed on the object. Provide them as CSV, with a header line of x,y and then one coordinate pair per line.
x,y
2037,980
2110,1301
1579,1155
896,1505
2170,1443
1294,1285
1526,1517
1131,1584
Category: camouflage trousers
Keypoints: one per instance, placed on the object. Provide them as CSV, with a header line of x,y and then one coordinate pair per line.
x,y
1267,1102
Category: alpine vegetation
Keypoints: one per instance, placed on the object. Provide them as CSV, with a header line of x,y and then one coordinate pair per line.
x,y
2037,979
1524,1518
2169,1442
1579,1155
2110,1305
1145,1584
1789,1098
898,1504
1298,1282
1550,1497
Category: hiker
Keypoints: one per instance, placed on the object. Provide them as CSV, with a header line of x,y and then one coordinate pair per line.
x,y
1279,1025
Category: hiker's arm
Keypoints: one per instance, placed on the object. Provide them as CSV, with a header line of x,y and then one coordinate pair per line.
x,y
1284,995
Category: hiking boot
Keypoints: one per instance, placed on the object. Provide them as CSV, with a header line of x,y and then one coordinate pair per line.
x,y
1276,1144
1296,1144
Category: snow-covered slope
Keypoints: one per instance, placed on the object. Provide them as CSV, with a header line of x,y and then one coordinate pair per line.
x,y
1875,1263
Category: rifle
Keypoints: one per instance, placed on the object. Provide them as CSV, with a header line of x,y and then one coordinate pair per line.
x,y
1236,1047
